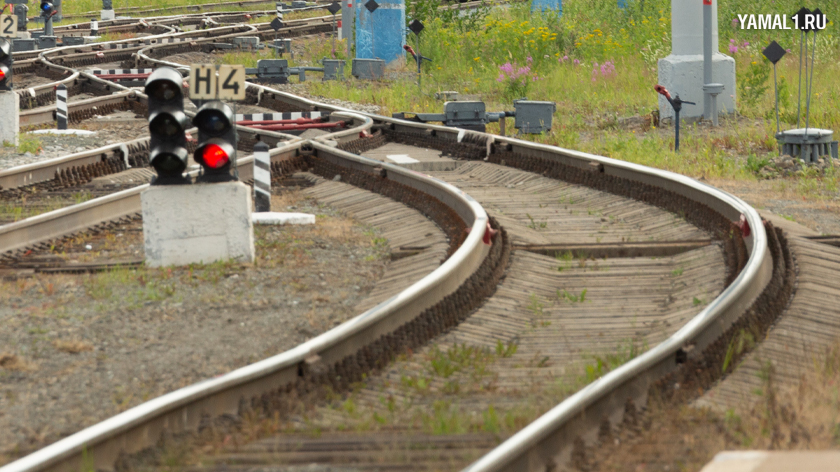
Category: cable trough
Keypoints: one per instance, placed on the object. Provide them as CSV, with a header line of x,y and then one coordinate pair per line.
x,y
480,278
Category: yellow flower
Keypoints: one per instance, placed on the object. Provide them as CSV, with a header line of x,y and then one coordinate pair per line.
x,y
753,63
475,59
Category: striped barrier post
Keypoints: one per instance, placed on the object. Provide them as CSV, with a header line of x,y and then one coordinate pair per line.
x,y
293,115
61,106
94,27
262,178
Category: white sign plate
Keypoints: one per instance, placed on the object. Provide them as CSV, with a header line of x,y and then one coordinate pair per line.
x,y
203,81
8,26
232,82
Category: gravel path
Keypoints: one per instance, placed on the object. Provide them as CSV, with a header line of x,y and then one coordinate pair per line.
x,y
77,349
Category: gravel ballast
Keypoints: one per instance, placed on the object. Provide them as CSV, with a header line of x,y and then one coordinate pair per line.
x,y
78,348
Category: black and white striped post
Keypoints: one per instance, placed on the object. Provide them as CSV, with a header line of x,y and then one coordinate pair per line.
x,y
94,27
262,178
61,106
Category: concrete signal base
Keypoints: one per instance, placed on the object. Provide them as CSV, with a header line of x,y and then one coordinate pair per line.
x,y
200,223
683,75
682,71
10,118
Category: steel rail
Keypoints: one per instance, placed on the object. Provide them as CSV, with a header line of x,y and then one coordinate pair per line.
x,y
543,441
183,409
538,444
43,115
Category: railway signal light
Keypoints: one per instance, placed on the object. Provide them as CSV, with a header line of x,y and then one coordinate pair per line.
x,y
167,126
216,141
5,64
47,9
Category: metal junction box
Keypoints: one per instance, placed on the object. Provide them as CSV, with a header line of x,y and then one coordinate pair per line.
x,y
275,70
533,117
25,45
368,68
464,113
283,45
72,40
333,69
246,42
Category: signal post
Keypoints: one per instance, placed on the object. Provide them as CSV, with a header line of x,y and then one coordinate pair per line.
x,y
208,220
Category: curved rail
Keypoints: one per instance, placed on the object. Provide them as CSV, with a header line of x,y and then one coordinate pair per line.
x,y
540,442
182,409
532,448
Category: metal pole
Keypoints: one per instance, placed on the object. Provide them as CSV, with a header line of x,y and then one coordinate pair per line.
x,y
677,131
800,77
810,84
335,33
419,61
776,88
707,58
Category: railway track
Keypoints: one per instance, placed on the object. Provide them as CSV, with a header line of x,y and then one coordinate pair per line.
x,y
537,305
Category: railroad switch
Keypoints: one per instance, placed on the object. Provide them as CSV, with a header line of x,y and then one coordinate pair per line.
x,y
277,71
532,117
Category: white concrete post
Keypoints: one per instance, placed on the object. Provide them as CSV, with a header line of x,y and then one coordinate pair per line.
x,y
682,71
94,27
216,227
61,106
10,118
262,177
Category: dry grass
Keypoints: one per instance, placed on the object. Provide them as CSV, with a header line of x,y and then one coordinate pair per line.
x,y
72,346
286,199
15,363
804,415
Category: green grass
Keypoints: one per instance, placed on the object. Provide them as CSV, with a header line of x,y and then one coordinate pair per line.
x,y
589,102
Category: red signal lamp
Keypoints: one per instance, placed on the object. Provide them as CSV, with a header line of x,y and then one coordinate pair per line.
x,y
214,156
2,73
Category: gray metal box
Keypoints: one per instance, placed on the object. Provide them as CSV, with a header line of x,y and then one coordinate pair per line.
x,y
368,68
24,44
45,42
298,4
533,117
283,45
72,40
273,70
464,113
333,69
273,67
247,42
